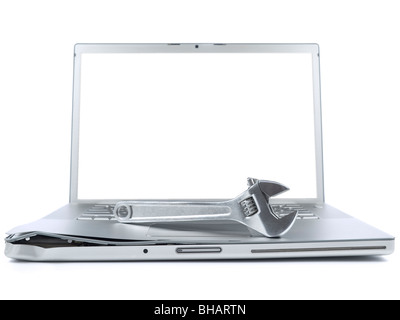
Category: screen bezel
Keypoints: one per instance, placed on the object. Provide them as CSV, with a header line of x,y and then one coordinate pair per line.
x,y
199,48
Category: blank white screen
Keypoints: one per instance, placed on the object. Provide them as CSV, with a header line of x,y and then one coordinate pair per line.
x,y
195,125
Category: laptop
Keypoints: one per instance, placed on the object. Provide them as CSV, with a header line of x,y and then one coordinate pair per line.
x,y
191,122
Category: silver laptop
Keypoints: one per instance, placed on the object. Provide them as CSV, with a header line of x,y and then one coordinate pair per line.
x,y
187,122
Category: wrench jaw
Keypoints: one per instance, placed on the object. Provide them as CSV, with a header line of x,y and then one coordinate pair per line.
x,y
268,188
269,226
265,221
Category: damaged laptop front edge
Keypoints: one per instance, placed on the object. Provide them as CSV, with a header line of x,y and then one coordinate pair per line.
x,y
250,209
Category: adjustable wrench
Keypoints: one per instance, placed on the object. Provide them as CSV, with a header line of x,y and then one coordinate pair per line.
x,y
250,208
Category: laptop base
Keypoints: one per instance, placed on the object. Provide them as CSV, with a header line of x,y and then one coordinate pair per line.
x,y
199,252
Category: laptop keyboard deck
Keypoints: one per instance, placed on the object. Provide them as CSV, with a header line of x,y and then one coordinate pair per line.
x,y
104,212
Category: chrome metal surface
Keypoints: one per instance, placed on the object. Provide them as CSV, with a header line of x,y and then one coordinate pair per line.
x,y
250,208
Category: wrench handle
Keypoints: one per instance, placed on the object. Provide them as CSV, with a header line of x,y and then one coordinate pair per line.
x,y
152,212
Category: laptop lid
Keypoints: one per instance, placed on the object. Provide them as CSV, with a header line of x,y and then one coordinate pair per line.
x,y
184,121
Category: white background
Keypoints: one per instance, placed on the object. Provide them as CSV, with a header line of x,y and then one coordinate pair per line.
x,y
137,128
360,99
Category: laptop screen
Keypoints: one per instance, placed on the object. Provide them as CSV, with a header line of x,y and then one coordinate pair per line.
x,y
194,125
